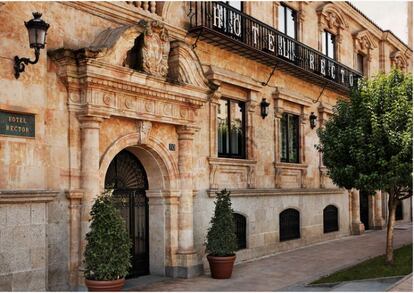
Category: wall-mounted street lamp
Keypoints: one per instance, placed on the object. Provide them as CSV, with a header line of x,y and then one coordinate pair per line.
x,y
37,29
264,108
312,120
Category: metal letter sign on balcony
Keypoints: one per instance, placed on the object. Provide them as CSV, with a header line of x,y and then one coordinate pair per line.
x,y
228,28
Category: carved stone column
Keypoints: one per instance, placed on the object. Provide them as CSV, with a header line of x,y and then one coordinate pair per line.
x,y
378,219
89,169
357,227
187,259
75,201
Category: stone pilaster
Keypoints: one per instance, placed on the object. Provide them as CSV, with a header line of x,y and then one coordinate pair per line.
x,y
75,201
357,227
187,259
378,219
89,170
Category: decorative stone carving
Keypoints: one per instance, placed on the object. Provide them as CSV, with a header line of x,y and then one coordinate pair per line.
x,y
364,41
398,60
331,17
184,66
156,49
144,128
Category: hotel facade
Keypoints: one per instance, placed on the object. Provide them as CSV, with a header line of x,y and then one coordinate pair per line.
x,y
168,103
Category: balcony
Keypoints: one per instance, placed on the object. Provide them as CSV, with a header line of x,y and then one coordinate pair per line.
x,y
228,28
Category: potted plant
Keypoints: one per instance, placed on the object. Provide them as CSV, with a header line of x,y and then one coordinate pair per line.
x,y
107,253
221,239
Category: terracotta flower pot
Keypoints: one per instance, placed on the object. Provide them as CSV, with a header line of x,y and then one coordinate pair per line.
x,y
221,267
114,285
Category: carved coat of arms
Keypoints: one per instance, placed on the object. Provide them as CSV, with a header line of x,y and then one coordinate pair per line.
x,y
155,49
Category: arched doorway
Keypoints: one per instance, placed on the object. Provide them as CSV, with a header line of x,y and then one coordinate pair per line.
x,y
128,178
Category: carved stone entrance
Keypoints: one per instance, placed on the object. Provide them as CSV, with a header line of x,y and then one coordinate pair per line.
x,y
127,177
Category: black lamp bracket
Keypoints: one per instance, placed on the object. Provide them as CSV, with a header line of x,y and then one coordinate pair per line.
x,y
20,63
270,76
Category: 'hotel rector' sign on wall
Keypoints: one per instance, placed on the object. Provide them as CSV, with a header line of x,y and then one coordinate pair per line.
x,y
17,124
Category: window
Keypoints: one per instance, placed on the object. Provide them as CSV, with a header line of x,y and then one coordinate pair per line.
x,y
360,63
289,227
235,4
330,219
231,129
240,230
289,129
287,21
328,44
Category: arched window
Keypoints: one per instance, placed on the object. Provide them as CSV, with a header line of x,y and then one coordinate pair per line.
x,y
330,219
289,225
240,230
399,211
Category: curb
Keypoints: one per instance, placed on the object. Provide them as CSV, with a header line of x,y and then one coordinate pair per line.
x,y
356,281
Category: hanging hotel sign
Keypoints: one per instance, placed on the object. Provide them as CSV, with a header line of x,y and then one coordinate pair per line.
x,y
248,32
17,124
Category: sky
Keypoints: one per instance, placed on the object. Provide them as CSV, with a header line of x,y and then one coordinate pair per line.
x,y
388,15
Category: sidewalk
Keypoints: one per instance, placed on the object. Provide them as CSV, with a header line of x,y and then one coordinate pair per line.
x,y
404,285
300,266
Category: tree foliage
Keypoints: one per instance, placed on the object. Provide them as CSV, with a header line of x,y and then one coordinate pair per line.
x,y
221,238
367,143
107,253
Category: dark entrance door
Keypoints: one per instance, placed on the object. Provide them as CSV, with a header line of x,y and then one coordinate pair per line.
x,y
127,177
364,208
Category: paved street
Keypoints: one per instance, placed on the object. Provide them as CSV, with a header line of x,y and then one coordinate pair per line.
x,y
289,268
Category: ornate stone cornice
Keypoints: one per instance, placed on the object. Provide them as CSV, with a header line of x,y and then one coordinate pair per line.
x,y
220,75
331,17
26,196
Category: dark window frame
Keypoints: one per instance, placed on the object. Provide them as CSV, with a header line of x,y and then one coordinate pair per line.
x,y
242,152
362,56
329,224
325,40
287,159
242,7
286,7
241,232
285,235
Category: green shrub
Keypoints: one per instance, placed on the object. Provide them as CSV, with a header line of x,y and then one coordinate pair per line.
x,y
221,239
107,253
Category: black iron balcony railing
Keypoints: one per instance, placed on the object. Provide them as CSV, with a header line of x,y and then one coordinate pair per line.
x,y
229,28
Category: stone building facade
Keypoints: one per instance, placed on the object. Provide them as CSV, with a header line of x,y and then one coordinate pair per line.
x,y
132,95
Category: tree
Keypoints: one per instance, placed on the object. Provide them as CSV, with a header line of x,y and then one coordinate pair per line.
x,y
367,143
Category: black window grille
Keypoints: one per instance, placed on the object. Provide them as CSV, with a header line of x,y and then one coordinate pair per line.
x,y
289,225
330,219
240,230
399,211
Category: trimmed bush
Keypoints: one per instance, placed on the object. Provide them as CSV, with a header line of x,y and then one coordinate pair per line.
x,y
221,239
107,253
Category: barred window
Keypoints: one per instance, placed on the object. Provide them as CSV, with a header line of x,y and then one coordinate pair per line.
x,y
289,225
330,219
240,230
